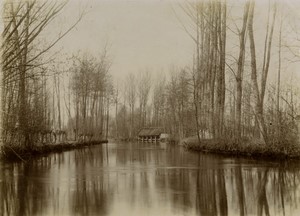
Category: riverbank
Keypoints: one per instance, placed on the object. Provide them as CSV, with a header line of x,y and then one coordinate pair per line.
x,y
15,153
247,148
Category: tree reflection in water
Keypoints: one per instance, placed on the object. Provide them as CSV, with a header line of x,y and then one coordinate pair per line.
x,y
20,195
91,193
147,179
211,189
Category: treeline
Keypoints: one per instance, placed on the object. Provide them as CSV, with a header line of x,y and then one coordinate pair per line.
x,y
89,97
33,96
24,95
248,106
226,93
154,102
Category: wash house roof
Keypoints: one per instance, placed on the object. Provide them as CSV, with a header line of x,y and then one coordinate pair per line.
x,y
150,131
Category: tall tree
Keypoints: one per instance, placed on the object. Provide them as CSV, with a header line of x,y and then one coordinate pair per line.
x,y
143,90
260,94
131,100
240,69
21,63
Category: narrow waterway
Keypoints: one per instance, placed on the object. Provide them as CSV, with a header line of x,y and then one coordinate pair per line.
x,y
148,179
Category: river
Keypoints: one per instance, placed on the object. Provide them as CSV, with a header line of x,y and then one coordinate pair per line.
x,y
148,179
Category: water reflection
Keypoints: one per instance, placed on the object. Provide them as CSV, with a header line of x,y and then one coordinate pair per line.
x,y
147,179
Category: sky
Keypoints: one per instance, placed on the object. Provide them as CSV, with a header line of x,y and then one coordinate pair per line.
x,y
140,35
148,34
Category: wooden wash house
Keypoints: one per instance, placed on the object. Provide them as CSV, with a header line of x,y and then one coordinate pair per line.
x,y
152,134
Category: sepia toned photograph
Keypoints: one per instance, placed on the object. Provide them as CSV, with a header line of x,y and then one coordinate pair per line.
x,y
150,107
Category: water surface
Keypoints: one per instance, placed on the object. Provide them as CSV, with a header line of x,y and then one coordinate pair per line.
x,y
148,179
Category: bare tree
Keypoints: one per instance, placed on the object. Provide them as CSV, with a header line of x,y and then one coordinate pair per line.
x,y
116,101
260,94
91,87
131,100
22,64
239,75
143,90
278,78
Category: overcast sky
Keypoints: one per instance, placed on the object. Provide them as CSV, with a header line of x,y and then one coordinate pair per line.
x,y
139,34
144,34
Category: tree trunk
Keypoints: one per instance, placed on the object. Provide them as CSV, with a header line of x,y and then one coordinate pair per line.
x,y
22,88
278,82
107,118
259,107
239,76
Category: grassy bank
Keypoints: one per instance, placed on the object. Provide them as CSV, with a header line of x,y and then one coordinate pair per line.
x,y
14,153
247,147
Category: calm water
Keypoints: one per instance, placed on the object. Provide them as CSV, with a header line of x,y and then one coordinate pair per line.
x,y
148,179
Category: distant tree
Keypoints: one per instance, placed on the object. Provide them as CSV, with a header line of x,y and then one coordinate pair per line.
x,y
131,96
91,87
143,91
159,102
